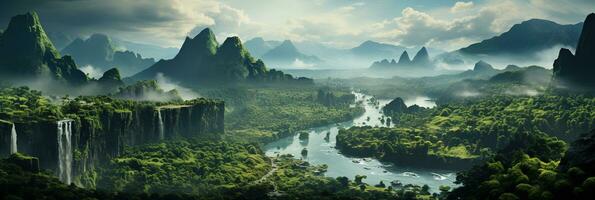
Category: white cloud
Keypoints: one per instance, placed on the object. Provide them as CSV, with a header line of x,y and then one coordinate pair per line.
x,y
415,27
334,22
297,63
460,6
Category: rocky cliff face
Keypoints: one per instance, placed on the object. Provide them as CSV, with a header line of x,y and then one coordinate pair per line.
x,y
99,137
576,71
202,61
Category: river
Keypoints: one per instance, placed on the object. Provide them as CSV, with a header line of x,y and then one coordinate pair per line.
x,y
321,152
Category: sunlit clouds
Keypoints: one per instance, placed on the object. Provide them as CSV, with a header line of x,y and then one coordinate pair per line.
x,y
445,25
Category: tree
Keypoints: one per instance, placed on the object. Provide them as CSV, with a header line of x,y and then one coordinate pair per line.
x,y
358,178
344,181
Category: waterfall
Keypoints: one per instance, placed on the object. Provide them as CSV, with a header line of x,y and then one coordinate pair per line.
x,y
65,150
13,140
160,125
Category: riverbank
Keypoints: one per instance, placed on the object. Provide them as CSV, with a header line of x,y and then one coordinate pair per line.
x,y
321,143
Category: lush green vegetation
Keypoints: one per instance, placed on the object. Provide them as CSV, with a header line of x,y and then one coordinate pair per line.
x,y
471,129
528,172
147,90
22,104
267,113
191,167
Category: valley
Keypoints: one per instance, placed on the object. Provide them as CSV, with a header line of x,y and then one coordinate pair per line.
x,y
215,112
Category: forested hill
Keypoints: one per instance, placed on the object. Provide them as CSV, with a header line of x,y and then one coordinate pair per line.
x,y
202,60
28,57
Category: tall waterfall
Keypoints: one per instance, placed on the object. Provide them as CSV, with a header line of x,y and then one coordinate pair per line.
x,y
160,125
13,140
65,150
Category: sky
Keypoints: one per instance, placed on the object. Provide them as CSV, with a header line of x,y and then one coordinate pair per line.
x,y
439,24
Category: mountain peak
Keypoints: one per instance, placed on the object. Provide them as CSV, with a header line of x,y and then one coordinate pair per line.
x,y
257,39
482,66
287,44
101,38
527,38
27,27
235,41
586,45
28,20
206,33
204,43
577,70
369,42
286,47
421,57
404,59
232,48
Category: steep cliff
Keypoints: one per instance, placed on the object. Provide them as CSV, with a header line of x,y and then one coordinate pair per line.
x,y
576,71
100,127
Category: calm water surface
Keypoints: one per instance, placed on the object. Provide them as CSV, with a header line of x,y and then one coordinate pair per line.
x,y
321,151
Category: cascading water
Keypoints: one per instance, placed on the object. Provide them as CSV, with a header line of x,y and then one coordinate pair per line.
x,y
161,128
13,140
65,150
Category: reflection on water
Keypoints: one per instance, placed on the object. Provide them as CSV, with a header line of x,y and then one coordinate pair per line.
x,y
321,151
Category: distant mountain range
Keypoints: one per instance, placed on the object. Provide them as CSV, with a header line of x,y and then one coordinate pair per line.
x,y
99,52
287,55
522,43
147,50
318,55
258,46
202,61
376,50
28,56
420,61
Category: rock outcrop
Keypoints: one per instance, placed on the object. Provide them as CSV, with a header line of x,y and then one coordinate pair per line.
x,y
421,60
202,61
27,163
404,59
576,71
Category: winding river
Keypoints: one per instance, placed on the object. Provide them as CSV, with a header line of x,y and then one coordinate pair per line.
x,y
321,151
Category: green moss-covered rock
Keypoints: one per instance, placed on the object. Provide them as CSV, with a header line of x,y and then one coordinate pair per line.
x,y
27,163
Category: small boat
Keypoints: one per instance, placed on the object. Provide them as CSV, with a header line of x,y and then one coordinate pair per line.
x,y
355,161
366,168
410,174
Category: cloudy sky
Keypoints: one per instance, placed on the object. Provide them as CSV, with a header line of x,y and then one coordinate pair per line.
x,y
442,24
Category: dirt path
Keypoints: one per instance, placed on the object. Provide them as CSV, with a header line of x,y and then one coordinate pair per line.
x,y
266,176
